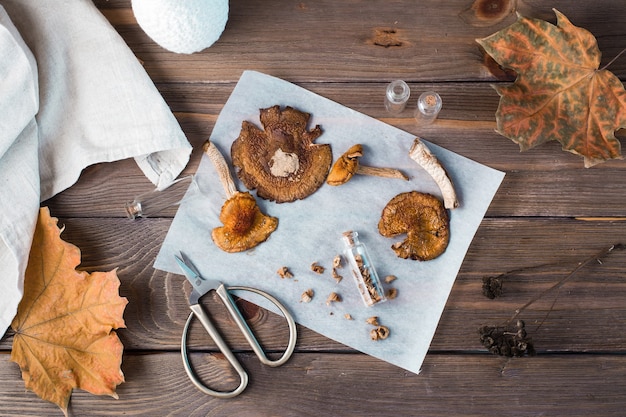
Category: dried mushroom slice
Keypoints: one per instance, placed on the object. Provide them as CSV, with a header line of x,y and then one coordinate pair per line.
x,y
424,220
281,161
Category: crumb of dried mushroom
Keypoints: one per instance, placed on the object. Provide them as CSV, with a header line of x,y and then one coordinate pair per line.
x,y
284,272
392,293
336,276
317,268
337,262
372,320
379,333
307,296
333,297
390,278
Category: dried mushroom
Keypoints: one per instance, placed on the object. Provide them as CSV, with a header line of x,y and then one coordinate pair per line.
x,y
348,165
307,296
424,220
373,321
281,161
244,225
390,278
317,268
379,333
420,153
333,297
284,272
336,276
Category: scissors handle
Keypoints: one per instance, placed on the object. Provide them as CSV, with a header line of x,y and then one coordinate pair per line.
x,y
222,291
199,312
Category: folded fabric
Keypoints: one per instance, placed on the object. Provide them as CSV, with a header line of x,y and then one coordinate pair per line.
x,y
81,97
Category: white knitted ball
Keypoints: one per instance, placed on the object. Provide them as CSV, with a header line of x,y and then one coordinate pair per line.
x,y
182,26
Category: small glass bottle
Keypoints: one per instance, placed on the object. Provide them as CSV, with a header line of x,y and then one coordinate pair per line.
x,y
362,269
155,201
396,96
428,107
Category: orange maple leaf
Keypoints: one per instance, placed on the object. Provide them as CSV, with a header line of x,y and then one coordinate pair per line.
x,y
559,94
63,328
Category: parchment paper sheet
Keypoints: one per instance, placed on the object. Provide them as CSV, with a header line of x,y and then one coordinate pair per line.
x,y
310,230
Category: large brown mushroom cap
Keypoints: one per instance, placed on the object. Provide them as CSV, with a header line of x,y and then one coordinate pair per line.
x,y
424,220
245,226
281,161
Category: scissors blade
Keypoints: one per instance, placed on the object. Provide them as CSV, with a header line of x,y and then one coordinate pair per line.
x,y
200,284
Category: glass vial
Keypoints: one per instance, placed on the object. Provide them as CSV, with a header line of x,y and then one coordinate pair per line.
x,y
396,96
428,107
155,201
362,269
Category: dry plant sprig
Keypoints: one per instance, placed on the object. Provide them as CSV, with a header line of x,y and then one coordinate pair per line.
x,y
511,338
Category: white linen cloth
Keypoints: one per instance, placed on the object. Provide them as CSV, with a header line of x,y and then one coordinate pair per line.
x,y
71,94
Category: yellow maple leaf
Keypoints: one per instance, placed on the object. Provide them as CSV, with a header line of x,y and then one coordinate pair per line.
x,y
64,336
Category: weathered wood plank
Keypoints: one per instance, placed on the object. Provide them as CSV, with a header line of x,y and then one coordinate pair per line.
x,y
578,192
544,181
350,385
357,40
593,300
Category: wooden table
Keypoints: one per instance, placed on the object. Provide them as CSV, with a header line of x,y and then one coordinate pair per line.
x,y
549,210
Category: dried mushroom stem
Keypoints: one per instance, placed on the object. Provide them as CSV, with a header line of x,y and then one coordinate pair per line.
x,y
221,167
381,172
420,153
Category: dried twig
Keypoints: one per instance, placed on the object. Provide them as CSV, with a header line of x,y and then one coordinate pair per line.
x,y
511,338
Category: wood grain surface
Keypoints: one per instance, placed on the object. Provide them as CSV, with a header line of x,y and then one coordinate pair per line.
x,y
549,215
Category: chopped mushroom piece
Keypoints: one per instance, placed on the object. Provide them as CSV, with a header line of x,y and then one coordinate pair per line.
x,y
333,297
379,333
372,320
424,220
284,272
348,164
336,276
317,268
307,296
281,161
245,226
390,278
420,153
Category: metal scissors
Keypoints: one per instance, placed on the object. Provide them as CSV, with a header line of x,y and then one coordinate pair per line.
x,y
202,286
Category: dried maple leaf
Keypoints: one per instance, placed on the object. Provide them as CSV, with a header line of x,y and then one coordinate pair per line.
x,y
63,328
559,94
